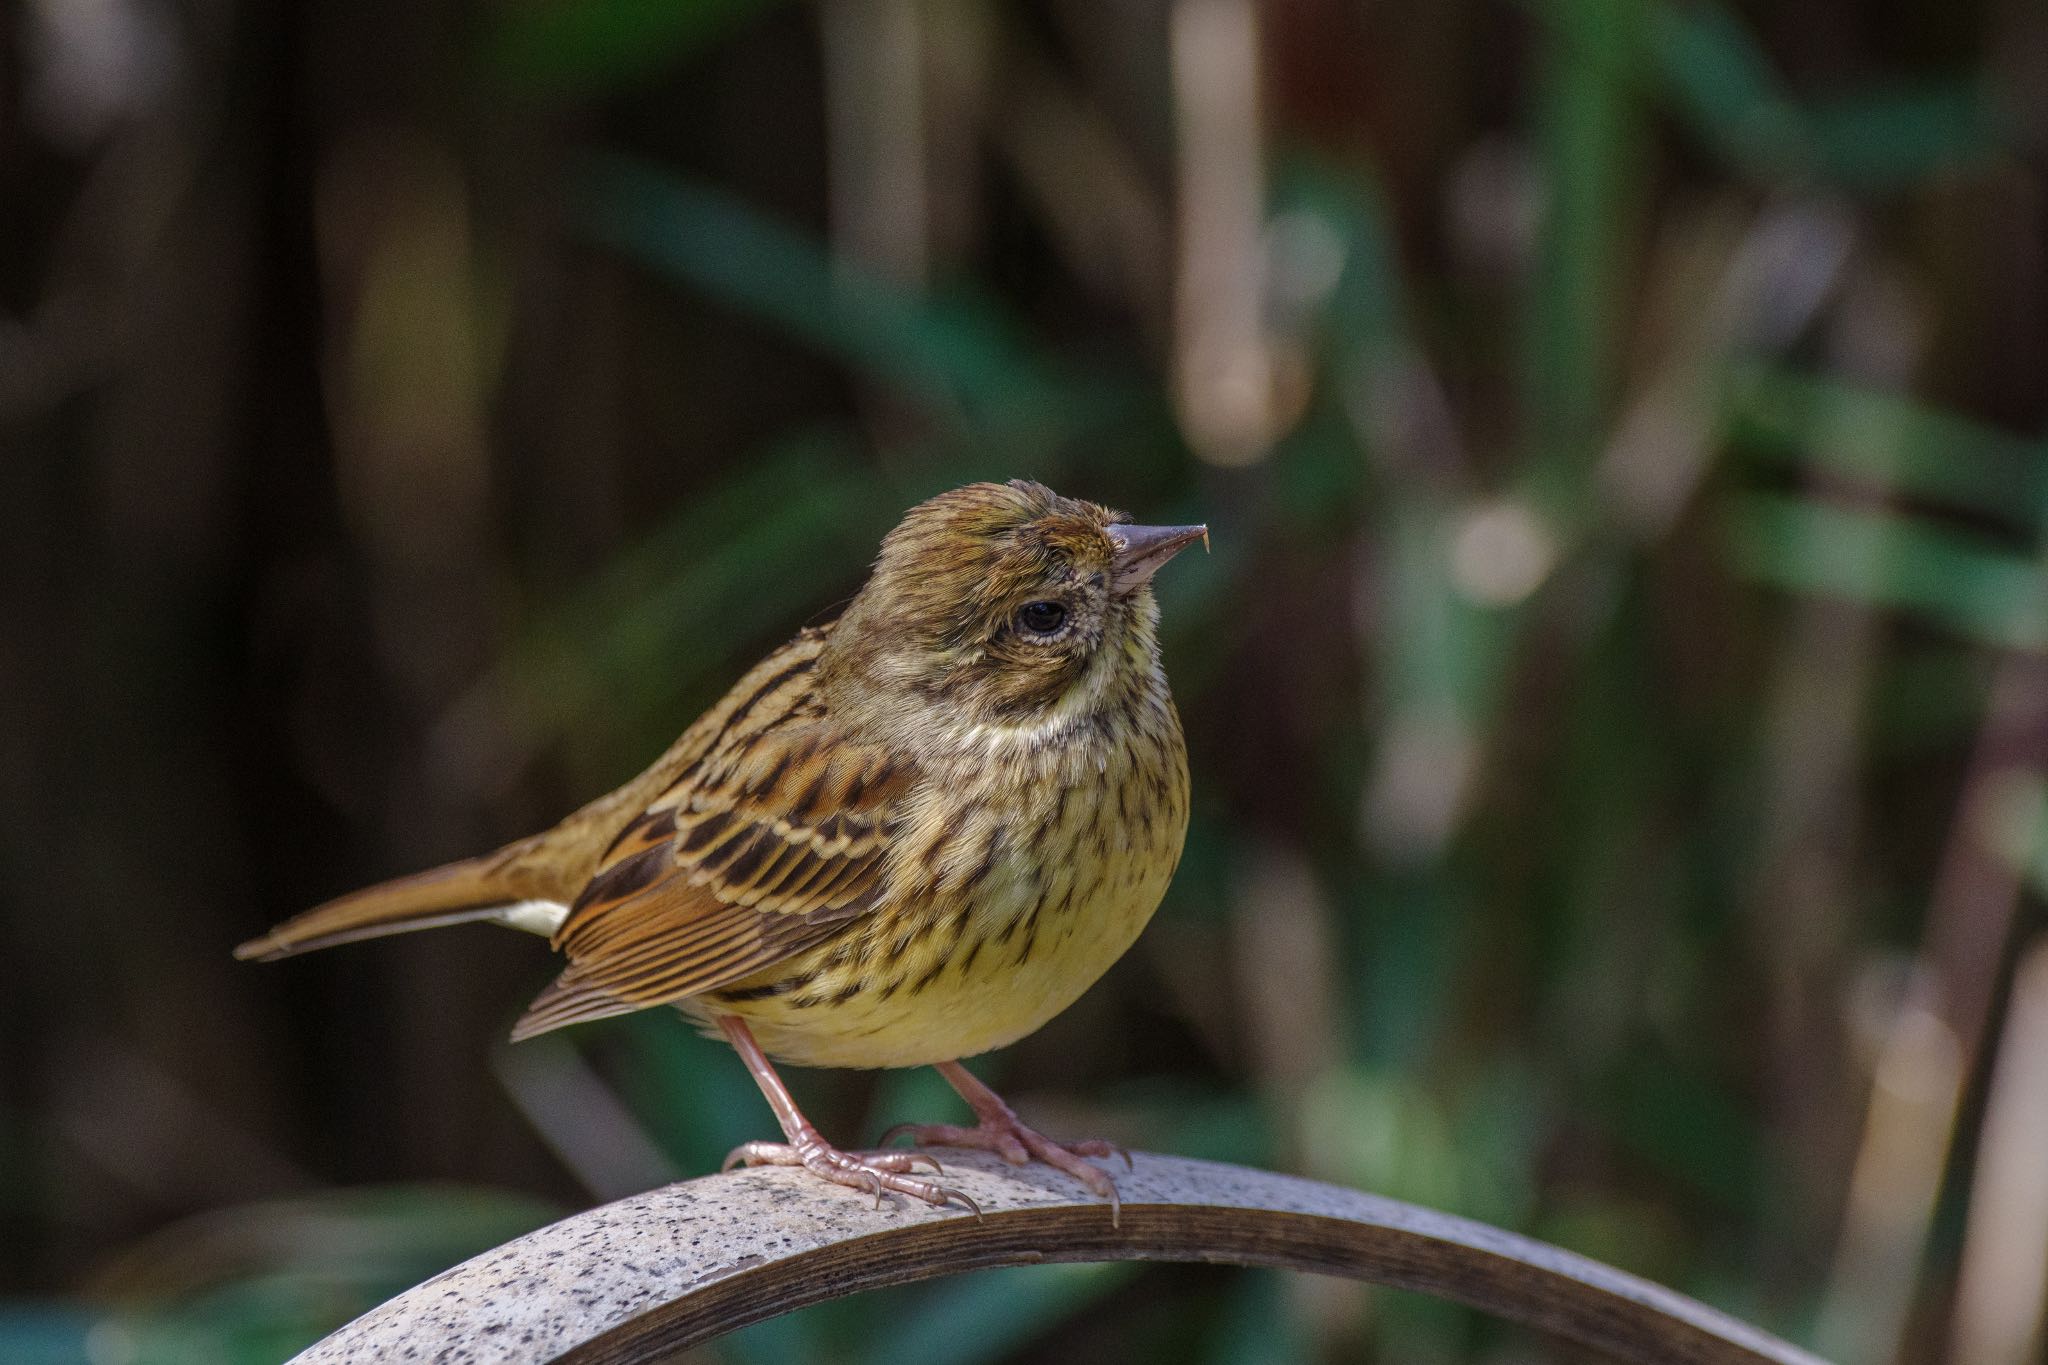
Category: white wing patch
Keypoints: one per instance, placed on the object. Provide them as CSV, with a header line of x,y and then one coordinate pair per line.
x,y
533,917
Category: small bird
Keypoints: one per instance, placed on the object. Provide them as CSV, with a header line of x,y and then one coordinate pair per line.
x,y
910,835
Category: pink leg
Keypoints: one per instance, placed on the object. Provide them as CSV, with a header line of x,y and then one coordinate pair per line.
x,y
999,1130
874,1172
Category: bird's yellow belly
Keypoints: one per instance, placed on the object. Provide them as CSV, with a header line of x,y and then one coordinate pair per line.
x,y
963,968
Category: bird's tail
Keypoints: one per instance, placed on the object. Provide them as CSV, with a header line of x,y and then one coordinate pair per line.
x,y
494,886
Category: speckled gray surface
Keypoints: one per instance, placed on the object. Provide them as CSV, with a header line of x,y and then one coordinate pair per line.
x,y
544,1293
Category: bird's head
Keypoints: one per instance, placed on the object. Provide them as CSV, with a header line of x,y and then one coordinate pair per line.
x,y
1006,603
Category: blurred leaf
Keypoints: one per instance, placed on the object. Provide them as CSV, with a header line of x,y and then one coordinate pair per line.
x,y
577,48
1892,443
418,1229
1259,1325
1893,138
1887,559
1408,968
956,353
1669,1114
1590,125
681,611
1383,1131
694,1095
34,1334
1929,698
988,1315
1441,651
915,1094
1201,1121
1365,310
258,1282
1638,1236
1713,69
1875,140
816,1333
2014,824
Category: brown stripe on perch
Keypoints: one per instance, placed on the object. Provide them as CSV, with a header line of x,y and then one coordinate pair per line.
x,y
638,1279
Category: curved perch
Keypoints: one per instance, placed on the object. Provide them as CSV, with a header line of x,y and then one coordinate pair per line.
x,y
638,1279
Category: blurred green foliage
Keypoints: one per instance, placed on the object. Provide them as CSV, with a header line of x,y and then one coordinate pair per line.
x,y
1580,689
259,1282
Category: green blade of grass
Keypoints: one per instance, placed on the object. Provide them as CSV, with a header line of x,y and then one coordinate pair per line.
x,y
1890,442
1894,137
957,353
39,1334
1711,69
565,49
1007,1308
1590,125
1956,580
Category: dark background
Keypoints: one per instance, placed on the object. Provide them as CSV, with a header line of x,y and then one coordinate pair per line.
x,y
1615,695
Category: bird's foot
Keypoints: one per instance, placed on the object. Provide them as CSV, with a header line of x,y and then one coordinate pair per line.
x,y
874,1172
1008,1137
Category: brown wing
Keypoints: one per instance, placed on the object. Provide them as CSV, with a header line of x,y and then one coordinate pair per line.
x,y
757,851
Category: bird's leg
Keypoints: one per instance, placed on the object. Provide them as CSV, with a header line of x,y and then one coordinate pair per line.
x,y
874,1172
999,1130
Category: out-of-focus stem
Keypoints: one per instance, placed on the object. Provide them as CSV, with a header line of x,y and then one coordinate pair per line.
x,y
1933,1041
1223,365
1815,734
1108,223
875,127
2002,1294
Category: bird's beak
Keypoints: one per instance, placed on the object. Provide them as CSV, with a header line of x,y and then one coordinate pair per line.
x,y
1140,550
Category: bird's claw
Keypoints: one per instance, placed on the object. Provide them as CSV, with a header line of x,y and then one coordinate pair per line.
x,y
902,1161
873,1173
1019,1145
1099,1147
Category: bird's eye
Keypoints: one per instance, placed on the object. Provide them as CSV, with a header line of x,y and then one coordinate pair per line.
x,y
1041,618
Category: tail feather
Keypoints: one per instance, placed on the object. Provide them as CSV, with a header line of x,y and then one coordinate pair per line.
x,y
474,889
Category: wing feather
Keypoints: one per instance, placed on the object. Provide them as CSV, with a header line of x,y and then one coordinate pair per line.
x,y
766,844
